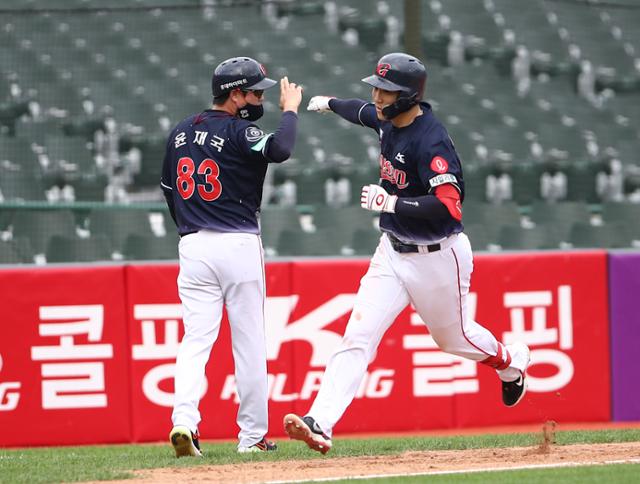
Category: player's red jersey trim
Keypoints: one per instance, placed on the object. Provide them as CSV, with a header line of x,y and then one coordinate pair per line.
x,y
450,197
501,361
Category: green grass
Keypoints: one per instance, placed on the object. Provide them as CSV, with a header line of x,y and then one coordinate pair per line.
x,y
72,464
618,474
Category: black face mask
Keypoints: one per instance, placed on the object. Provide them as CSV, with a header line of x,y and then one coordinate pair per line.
x,y
251,112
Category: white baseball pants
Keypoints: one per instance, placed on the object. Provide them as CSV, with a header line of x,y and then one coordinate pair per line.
x,y
437,284
216,269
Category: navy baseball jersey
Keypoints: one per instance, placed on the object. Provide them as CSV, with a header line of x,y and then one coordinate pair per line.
x,y
414,160
213,172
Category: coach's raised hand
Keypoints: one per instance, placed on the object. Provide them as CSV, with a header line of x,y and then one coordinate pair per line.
x,y
290,95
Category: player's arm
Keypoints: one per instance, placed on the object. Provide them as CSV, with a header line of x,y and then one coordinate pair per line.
x,y
442,204
355,111
277,147
439,172
166,184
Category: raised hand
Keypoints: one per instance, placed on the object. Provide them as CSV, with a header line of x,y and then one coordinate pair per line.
x,y
290,95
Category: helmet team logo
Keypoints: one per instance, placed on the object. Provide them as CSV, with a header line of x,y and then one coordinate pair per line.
x,y
439,164
382,69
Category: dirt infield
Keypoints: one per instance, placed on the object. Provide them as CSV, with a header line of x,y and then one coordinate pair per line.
x,y
545,454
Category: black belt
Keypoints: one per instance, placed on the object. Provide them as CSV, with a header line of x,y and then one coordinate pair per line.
x,y
403,248
189,233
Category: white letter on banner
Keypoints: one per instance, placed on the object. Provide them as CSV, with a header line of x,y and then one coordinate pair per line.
x,y
550,357
229,389
276,392
12,399
380,383
311,384
151,385
53,390
151,348
308,328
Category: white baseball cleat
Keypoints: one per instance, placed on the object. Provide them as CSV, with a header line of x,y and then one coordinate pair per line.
x,y
308,431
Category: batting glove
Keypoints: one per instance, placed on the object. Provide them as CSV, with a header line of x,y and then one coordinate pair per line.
x,y
319,104
376,199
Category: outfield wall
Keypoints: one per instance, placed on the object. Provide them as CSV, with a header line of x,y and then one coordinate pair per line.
x,y
87,353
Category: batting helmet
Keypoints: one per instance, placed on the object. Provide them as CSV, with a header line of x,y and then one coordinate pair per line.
x,y
403,73
239,72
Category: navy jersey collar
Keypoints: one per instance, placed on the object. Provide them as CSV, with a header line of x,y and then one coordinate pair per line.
x,y
208,113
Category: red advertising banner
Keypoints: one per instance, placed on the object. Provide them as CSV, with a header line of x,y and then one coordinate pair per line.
x,y
63,362
155,326
556,303
87,354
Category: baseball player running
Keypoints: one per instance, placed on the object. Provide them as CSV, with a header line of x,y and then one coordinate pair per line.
x,y
212,178
423,257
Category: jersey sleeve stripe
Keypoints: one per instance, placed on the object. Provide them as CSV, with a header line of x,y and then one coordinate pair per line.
x,y
360,111
261,145
165,187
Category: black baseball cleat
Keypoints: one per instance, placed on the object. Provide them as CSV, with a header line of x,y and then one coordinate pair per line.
x,y
513,391
185,442
308,431
263,446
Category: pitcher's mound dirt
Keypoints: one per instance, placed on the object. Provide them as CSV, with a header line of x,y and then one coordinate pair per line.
x,y
406,463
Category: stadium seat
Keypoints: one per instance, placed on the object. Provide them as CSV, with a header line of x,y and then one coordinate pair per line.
x,y
558,217
17,154
626,212
526,183
364,241
475,179
492,216
310,186
39,226
274,220
90,187
9,253
149,247
69,156
152,150
344,218
299,243
583,236
581,182
479,236
518,238
16,251
118,224
75,249
18,185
